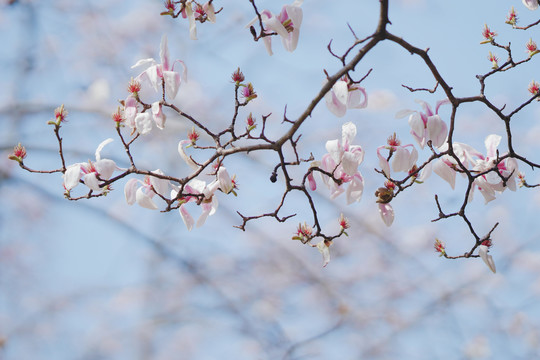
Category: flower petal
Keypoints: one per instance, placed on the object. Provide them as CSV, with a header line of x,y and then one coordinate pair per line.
x,y
72,176
488,259
144,199
387,213
129,191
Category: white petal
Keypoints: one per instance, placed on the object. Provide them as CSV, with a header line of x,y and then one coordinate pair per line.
x,y
445,172
488,259
186,217
145,62
129,191
172,83
325,251
72,176
357,99
492,142
143,123
355,189
158,115
530,4
164,53
105,168
91,181
144,200
160,185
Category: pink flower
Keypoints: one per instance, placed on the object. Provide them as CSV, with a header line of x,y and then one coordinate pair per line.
x,y
345,95
207,199
149,187
156,73
426,126
91,173
530,4
342,161
403,159
286,24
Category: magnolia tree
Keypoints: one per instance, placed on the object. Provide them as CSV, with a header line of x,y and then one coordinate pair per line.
x,y
434,147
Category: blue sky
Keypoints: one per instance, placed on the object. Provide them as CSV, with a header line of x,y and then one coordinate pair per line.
x,y
101,280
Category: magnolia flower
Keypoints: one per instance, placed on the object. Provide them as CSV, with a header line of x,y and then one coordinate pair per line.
x,y
286,24
204,195
490,183
91,173
530,4
342,161
345,95
488,259
426,126
403,159
149,187
156,73
143,122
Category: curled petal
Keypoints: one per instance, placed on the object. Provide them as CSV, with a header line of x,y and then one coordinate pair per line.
x,y
105,168
161,186
192,23
184,156
357,99
436,130
225,183
383,163
164,53
311,181
387,213
91,181
492,142
101,146
172,83
488,259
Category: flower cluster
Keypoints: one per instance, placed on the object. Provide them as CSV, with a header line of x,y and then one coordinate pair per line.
x,y
342,162
492,175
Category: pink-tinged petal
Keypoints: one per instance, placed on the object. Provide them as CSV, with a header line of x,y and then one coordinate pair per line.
x,y
486,190
530,4
355,189
492,142
186,217
335,106
184,156
325,251
357,99
273,24
210,12
401,160
161,186
488,259
129,191
311,181
101,146
164,53
387,213
445,172
417,128
158,115
91,181
341,91
383,163
152,76
436,130
425,106
144,200
172,83
143,123
440,103
72,176
105,168
130,110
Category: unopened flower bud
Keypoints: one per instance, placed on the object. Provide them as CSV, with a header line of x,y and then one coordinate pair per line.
x,y
19,153
439,247
248,92
250,121
60,115
344,223
534,88
532,49
118,117
193,136
134,87
171,8
512,18
488,35
237,76
494,60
